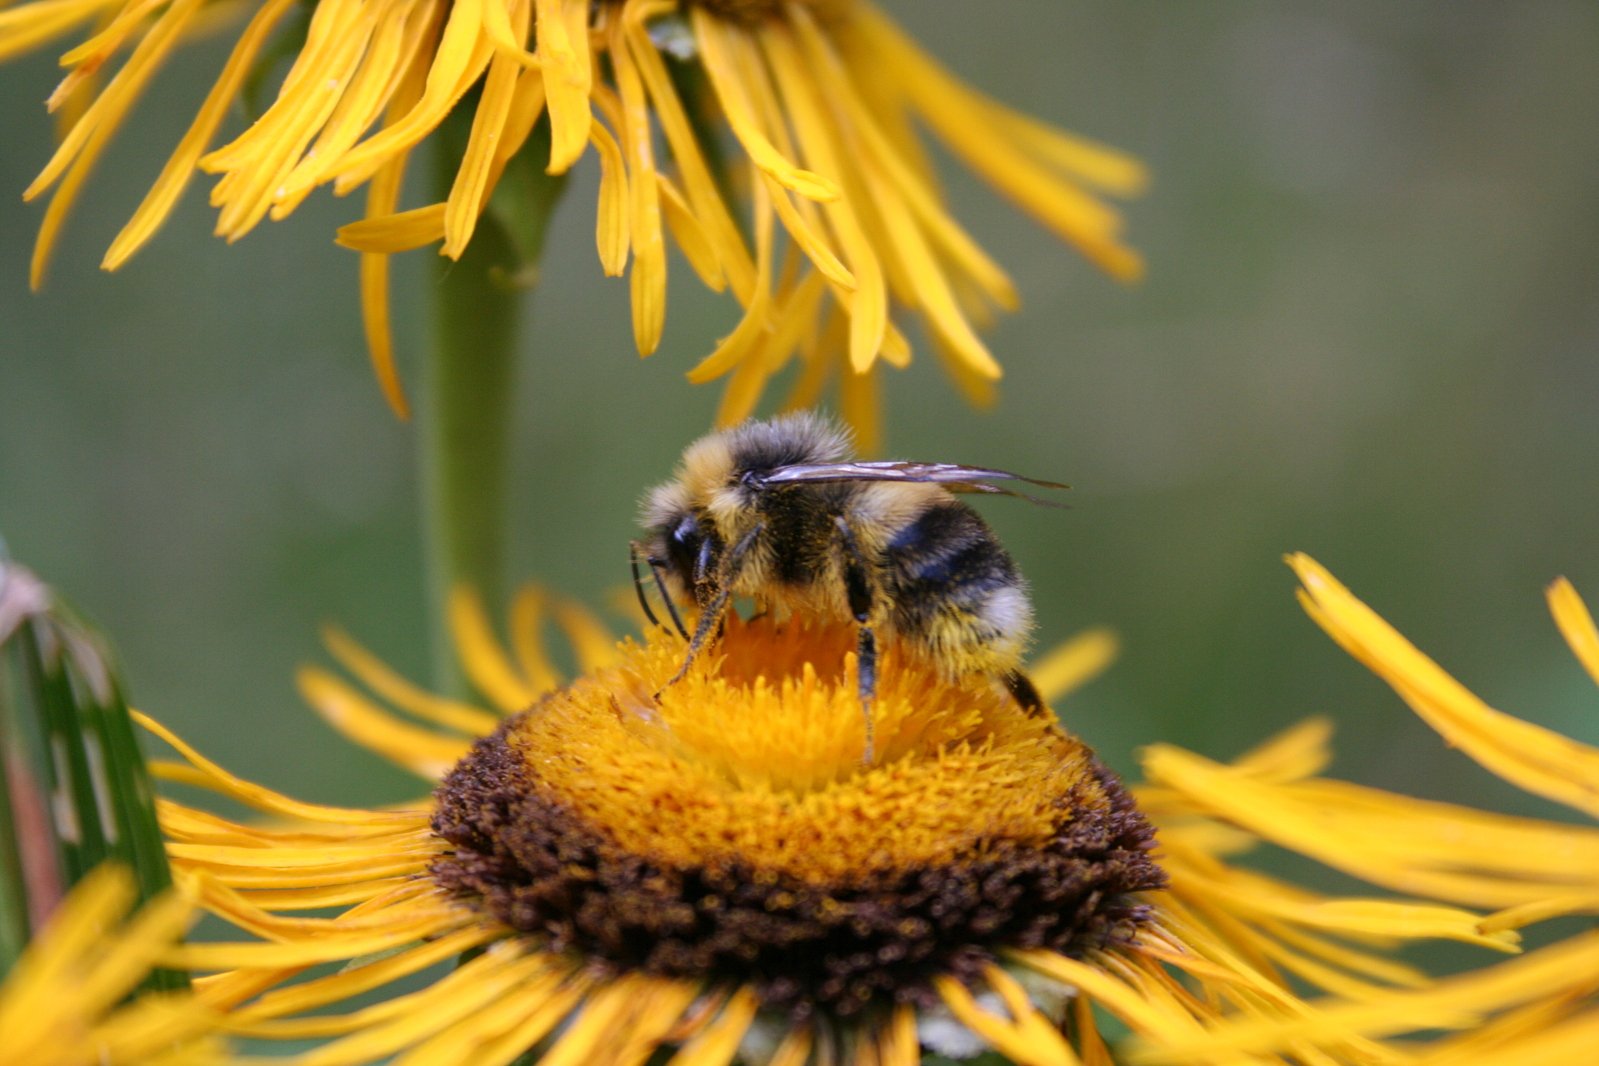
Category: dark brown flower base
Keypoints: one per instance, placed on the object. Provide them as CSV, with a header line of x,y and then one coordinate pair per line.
x,y
804,947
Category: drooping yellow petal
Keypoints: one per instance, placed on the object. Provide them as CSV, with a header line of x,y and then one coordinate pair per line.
x,y
76,155
611,233
383,196
400,232
462,54
563,53
691,237
698,185
180,166
964,123
1408,845
384,81
648,280
503,1033
427,753
737,346
267,154
1532,757
255,955
29,26
484,659
74,928
509,34
592,641
469,192
1454,1002
527,642
351,982
718,41
399,1023
868,302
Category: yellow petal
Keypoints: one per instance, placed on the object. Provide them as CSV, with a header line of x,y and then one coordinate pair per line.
x,y
691,237
390,233
423,751
481,655
1576,625
1539,760
563,51
470,189
1074,663
610,216
264,799
717,40
644,211
718,1042
383,680
180,166
83,145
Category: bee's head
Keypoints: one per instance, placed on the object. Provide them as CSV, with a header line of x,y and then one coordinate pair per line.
x,y
674,535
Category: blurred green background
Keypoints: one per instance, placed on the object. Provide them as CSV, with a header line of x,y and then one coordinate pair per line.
x,y
1369,332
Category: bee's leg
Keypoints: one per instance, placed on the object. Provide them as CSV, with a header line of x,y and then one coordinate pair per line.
x,y
1025,692
710,619
866,668
711,613
702,572
859,590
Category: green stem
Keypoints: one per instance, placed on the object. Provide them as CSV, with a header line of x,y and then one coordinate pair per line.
x,y
468,380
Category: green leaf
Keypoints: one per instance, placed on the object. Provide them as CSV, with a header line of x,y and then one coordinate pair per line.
x,y
77,790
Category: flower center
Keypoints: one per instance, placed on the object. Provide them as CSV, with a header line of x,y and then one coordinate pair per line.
x,y
728,829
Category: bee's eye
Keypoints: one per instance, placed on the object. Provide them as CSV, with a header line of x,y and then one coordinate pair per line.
x,y
683,546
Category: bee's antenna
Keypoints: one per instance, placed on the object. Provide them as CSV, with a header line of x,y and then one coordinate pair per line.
x,y
638,584
660,586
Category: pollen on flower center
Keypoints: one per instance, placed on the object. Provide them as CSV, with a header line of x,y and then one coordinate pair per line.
x,y
729,830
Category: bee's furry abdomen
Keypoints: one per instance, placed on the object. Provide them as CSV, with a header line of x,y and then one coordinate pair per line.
x,y
955,590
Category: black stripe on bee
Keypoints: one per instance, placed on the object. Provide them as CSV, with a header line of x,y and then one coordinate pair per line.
x,y
950,549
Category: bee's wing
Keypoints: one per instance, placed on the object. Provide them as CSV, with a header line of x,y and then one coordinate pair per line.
x,y
952,476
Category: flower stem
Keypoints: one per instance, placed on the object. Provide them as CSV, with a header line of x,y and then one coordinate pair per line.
x,y
468,383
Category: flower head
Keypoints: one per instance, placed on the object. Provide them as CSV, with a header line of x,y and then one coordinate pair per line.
x,y
820,98
729,831
715,870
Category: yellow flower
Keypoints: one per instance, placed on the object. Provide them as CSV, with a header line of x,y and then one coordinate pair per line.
x,y
62,1004
1540,1008
820,96
714,871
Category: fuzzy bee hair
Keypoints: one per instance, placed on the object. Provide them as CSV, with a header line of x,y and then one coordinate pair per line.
x,y
777,511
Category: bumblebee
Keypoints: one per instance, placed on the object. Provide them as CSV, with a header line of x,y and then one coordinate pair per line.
x,y
778,512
